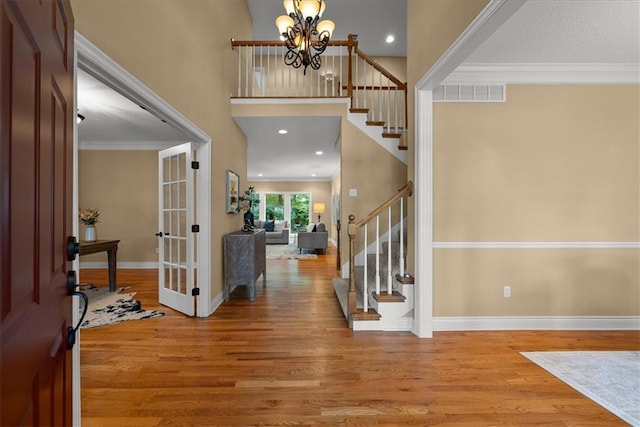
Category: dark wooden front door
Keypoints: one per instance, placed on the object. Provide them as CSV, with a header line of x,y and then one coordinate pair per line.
x,y
37,113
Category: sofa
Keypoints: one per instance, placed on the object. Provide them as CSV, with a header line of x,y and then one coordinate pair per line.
x,y
315,237
280,233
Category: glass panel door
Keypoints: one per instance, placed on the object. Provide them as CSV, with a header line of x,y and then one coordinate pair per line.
x,y
300,203
274,206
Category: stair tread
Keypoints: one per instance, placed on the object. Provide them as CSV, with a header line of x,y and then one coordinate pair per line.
x,y
391,135
374,123
359,110
360,314
385,297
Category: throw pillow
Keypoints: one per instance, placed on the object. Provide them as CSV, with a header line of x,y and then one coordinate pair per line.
x,y
269,225
279,225
310,227
321,227
314,228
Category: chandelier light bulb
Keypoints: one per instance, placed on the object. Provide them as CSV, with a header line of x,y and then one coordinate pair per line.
x,y
309,9
283,22
288,6
327,26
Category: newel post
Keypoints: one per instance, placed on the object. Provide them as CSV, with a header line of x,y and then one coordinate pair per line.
x,y
350,45
351,230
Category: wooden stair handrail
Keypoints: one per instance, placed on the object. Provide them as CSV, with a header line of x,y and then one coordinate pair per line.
x,y
406,189
381,69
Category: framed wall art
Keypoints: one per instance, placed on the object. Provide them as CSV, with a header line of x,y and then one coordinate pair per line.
x,y
233,192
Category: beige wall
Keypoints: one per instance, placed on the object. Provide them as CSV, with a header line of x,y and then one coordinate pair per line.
x,y
181,50
320,193
123,186
555,163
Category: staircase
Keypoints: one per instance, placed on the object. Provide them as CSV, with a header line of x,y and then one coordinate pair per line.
x,y
387,311
378,294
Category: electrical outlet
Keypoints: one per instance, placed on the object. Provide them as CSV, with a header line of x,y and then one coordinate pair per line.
x,y
507,291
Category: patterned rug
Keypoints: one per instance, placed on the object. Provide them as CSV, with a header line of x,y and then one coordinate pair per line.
x,y
287,252
609,378
111,307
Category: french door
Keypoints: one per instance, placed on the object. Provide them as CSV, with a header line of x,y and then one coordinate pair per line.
x,y
178,228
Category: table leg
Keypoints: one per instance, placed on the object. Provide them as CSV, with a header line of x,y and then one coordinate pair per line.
x,y
111,260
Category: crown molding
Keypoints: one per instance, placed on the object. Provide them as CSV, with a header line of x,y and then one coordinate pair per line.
x,y
128,145
532,73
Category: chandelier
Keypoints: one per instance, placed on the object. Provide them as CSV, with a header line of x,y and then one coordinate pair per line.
x,y
304,37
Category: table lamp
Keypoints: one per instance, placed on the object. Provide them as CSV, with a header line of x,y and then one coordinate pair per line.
x,y
319,209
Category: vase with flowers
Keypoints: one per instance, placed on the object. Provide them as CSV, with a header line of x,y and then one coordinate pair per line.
x,y
89,217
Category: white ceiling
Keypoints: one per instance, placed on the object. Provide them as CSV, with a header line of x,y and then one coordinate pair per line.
x,y
541,31
370,20
112,118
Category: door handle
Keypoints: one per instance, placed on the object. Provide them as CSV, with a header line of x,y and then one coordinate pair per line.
x,y
73,248
160,234
71,290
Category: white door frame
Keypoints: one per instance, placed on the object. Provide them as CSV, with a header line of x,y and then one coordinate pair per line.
x,y
496,13
99,65
95,62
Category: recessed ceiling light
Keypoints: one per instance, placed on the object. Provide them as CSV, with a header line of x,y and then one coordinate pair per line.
x,y
319,153
390,38
259,174
313,174
283,131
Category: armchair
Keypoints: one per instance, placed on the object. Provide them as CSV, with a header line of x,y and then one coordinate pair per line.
x,y
313,239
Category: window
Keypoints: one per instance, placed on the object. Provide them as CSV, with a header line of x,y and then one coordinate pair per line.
x,y
294,208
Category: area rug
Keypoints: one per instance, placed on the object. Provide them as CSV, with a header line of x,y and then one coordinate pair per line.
x,y
609,378
111,307
287,252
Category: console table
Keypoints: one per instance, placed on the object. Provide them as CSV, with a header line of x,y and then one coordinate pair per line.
x,y
244,261
108,246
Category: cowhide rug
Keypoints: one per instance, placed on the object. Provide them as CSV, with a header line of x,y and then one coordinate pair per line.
x,y
111,307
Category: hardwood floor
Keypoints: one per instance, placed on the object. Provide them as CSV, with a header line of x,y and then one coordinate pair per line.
x,y
288,358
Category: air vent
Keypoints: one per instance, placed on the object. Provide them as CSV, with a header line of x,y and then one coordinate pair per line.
x,y
470,93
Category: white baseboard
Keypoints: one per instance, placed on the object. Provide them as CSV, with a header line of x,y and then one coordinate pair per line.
x,y
216,302
121,265
486,323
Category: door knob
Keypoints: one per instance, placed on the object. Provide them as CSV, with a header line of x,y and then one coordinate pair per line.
x,y
73,248
159,234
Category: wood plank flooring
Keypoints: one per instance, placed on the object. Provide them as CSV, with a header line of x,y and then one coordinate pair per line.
x,y
288,359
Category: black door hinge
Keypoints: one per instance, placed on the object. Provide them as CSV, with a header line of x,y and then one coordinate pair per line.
x,y
195,165
195,228
195,292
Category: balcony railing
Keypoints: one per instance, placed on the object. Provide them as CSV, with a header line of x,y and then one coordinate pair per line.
x,y
345,72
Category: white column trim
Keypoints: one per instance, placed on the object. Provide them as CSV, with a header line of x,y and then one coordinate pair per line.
x,y
423,215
